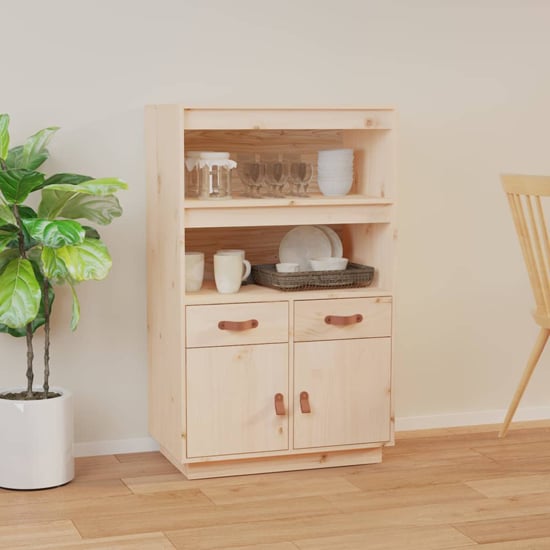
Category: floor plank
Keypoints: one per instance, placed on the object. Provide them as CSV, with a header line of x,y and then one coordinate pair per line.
x,y
33,534
148,541
439,537
508,529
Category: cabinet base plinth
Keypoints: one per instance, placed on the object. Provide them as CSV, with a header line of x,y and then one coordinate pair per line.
x,y
310,461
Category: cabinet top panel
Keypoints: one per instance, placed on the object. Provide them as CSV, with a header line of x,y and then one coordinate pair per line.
x,y
352,118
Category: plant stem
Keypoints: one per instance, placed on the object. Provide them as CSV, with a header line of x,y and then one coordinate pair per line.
x,y
29,335
30,357
47,308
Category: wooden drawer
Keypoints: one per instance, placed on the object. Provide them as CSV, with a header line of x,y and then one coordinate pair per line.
x,y
236,324
343,318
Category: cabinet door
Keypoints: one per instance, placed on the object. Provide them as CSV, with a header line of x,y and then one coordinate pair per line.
x,y
231,399
348,388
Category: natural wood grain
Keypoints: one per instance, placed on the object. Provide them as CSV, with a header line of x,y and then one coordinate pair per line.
x,y
32,534
411,538
508,529
436,490
179,422
510,486
248,490
117,521
147,541
524,194
529,544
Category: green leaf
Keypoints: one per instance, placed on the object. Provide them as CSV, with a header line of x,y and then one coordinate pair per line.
x,y
6,256
6,215
98,187
75,206
91,232
4,135
38,321
13,160
19,294
67,179
75,316
53,267
17,184
89,260
34,150
55,234
26,212
7,237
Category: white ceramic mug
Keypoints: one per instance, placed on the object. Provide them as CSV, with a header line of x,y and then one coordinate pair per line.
x,y
240,253
228,273
194,271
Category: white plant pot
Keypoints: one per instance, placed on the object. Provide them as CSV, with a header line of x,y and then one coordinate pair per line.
x,y
36,441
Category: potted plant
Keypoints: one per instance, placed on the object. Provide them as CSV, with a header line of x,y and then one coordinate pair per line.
x,y
40,248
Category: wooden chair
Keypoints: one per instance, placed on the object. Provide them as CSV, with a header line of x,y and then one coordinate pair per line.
x,y
525,194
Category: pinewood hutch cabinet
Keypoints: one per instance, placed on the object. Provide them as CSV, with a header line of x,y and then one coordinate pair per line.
x,y
294,392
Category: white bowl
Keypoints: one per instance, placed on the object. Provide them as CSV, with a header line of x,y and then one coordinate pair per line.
x,y
287,267
335,186
328,264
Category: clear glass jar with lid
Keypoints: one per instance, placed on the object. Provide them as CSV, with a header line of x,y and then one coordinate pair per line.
x,y
214,175
192,174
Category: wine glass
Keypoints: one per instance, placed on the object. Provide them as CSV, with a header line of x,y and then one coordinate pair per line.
x,y
277,173
252,174
300,176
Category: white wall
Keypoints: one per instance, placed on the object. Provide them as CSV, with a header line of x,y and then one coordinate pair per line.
x,y
471,82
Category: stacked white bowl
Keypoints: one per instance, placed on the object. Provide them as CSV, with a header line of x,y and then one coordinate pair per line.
x,y
335,171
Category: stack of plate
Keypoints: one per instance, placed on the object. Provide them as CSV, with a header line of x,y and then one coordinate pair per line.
x,y
335,171
305,242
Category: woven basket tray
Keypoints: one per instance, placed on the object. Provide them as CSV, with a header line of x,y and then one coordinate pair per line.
x,y
355,275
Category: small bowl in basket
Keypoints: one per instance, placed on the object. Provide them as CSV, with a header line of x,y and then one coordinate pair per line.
x,y
328,264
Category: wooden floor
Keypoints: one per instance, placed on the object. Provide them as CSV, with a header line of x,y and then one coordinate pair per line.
x,y
445,489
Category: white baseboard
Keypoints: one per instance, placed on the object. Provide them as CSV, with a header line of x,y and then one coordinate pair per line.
x,y
402,424
474,418
116,446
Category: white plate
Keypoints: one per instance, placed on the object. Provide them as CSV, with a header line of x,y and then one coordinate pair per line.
x,y
335,241
302,243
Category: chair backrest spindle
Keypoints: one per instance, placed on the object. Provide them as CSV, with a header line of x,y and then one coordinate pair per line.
x,y
525,195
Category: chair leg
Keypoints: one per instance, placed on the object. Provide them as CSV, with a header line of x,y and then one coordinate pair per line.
x,y
530,367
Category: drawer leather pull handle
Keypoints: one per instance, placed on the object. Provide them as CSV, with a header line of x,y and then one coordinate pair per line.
x,y
343,320
238,325
279,404
304,402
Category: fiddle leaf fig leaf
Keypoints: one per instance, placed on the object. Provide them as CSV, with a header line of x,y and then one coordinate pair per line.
x,y
6,256
53,267
65,204
37,322
55,234
67,179
4,135
7,237
91,232
34,150
19,294
85,261
16,185
98,187
6,215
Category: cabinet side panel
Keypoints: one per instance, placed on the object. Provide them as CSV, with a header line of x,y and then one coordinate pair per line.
x,y
164,144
